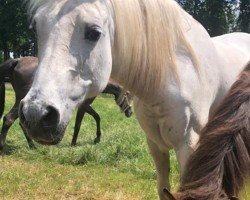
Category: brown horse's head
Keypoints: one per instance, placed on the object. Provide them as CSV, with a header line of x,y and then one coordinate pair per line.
x,y
125,102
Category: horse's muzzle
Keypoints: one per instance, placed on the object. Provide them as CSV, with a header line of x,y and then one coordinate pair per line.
x,y
41,122
128,112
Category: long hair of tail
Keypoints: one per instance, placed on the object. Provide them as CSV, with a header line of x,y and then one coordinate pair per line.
x,y
6,70
221,163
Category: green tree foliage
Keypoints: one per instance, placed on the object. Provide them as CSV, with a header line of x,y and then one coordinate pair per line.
x,y
217,16
244,16
15,35
195,8
1,56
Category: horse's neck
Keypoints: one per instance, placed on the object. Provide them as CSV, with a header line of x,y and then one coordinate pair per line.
x,y
114,89
196,34
199,40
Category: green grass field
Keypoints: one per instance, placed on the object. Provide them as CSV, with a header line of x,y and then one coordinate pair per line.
x,y
118,168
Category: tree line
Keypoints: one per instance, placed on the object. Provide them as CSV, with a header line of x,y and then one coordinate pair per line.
x,y
217,16
220,16
15,36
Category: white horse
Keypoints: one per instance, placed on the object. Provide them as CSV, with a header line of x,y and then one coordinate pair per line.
x,y
151,47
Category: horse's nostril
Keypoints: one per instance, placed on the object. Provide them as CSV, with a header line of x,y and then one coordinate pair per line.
x,y
36,114
51,118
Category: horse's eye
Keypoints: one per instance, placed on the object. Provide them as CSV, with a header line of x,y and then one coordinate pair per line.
x,y
92,34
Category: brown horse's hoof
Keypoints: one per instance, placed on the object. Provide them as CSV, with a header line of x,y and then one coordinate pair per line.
x,y
2,143
73,144
32,146
97,140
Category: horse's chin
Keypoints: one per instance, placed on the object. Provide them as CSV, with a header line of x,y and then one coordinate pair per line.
x,y
46,136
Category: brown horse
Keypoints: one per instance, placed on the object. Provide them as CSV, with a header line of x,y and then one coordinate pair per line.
x,y
20,73
221,163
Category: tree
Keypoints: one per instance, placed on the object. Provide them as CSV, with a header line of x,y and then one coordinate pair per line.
x,y
217,16
194,8
1,56
15,35
244,16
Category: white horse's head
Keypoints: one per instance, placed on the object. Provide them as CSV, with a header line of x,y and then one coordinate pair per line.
x,y
74,64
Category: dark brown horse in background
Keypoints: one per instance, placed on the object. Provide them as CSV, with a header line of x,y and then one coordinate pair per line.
x,y
20,73
220,165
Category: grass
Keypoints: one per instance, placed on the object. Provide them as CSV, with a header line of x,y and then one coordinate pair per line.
x,y
118,168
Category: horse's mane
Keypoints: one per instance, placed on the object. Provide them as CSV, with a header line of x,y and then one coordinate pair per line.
x,y
147,35
221,163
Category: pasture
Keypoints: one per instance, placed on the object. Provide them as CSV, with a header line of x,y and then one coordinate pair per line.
x,y
120,167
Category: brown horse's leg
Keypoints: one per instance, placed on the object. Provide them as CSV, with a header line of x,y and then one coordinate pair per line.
x,y
79,116
8,120
97,118
30,142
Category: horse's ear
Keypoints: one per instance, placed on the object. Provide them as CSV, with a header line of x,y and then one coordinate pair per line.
x,y
168,195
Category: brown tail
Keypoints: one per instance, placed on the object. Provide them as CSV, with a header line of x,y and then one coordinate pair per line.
x,y
221,163
6,70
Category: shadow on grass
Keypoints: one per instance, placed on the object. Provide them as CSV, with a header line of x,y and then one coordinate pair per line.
x,y
78,144
11,149
8,150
